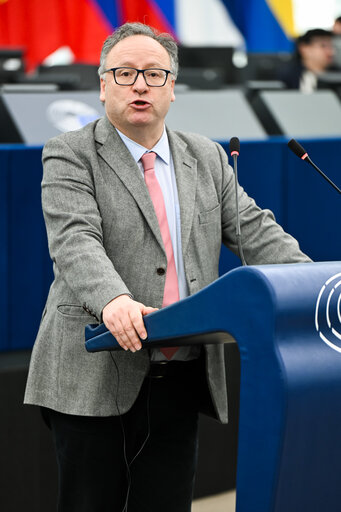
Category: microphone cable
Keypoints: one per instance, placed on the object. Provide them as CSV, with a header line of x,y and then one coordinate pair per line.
x,y
128,464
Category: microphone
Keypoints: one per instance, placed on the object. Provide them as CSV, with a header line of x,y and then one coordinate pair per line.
x,y
301,153
234,150
234,146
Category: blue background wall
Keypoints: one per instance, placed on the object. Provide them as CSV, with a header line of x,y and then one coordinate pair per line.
x,y
303,203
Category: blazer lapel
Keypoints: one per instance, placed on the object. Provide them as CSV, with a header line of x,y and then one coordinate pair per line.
x,y
118,157
186,178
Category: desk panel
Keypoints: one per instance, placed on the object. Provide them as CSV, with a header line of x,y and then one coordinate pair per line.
x,y
27,248
4,261
313,207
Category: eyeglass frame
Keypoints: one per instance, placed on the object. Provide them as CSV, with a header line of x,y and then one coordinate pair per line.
x,y
167,71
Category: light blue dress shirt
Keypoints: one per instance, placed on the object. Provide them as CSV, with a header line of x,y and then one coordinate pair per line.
x,y
165,174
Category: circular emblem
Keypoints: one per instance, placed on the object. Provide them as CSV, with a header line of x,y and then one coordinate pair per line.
x,y
69,115
328,312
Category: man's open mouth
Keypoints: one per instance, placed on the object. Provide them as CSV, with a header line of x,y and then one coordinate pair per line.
x,y
140,103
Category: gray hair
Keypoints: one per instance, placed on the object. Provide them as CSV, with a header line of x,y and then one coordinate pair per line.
x,y
135,29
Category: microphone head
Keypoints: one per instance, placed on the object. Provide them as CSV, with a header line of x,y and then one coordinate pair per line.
x,y
234,146
297,149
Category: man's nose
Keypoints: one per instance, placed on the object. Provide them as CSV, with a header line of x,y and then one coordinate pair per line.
x,y
140,83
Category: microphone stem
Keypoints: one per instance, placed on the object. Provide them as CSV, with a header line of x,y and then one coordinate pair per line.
x,y
308,160
238,233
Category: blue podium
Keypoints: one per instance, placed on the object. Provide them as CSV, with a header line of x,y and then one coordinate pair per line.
x,y
286,320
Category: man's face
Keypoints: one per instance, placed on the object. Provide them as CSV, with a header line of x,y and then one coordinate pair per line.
x,y
137,109
319,53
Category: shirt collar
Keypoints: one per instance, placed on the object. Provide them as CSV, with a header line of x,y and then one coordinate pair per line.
x,y
161,148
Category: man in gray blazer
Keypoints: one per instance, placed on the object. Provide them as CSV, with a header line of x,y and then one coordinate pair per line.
x,y
125,423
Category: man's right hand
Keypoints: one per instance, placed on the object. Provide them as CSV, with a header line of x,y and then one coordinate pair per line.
x,y
123,317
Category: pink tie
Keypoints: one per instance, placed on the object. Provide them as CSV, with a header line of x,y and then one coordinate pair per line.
x,y
171,291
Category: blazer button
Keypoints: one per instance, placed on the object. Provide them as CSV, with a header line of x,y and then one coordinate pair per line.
x,y
160,271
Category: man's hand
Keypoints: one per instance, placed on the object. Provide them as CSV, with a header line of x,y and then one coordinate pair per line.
x,y
123,318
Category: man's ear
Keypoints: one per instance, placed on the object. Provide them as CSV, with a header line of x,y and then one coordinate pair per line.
x,y
102,91
172,91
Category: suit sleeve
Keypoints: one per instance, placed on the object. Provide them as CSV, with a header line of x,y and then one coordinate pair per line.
x,y
263,240
74,228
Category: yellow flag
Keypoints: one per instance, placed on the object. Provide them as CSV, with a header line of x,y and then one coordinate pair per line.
x,y
284,12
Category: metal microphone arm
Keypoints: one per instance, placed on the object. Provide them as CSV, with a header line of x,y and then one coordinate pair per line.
x,y
309,161
299,151
238,233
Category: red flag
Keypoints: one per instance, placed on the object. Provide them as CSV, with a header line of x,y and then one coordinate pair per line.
x,y
41,27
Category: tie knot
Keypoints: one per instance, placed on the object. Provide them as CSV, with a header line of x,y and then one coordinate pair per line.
x,y
148,160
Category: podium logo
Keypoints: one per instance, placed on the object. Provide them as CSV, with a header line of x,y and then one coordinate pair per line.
x,y
68,115
328,312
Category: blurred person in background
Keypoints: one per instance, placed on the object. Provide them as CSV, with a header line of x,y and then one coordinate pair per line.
x,y
314,56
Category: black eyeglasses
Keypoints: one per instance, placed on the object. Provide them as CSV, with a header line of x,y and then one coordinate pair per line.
x,y
154,77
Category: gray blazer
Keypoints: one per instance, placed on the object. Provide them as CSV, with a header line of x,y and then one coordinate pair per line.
x,y
104,240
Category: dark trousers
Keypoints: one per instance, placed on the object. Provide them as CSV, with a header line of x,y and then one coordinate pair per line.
x,y
92,452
